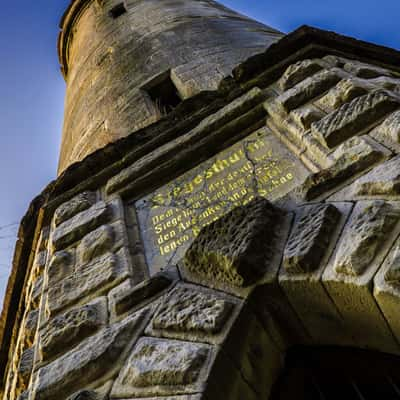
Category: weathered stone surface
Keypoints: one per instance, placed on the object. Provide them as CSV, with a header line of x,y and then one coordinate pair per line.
x,y
68,329
126,298
61,265
353,118
31,323
367,71
69,209
78,226
186,310
307,90
310,238
348,159
159,362
96,277
237,248
95,244
391,127
392,275
363,235
26,365
91,360
87,395
24,395
305,116
383,180
37,292
40,261
345,91
298,72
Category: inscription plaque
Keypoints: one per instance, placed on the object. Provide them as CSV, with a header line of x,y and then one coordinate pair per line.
x,y
172,216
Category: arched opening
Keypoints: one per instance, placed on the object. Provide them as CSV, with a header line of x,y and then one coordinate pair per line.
x,y
336,373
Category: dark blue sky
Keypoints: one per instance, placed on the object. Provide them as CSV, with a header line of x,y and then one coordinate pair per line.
x,y
32,90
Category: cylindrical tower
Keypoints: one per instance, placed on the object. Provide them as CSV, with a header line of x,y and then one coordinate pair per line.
x,y
127,63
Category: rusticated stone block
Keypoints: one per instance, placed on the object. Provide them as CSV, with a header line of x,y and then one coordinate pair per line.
x,y
345,91
159,366
94,278
40,262
77,204
68,329
298,72
91,360
126,296
352,290
303,287
31,324
348,159
78,226
308,89
310,238
95,244
366,71
353,118
387,288
383,180
188,310
61,265
305,116
26,365
36,293
362,237
237,248
391,127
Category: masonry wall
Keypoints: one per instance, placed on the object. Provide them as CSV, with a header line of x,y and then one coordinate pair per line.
x,y
110,62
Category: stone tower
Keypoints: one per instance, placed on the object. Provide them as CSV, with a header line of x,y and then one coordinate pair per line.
x,y
127,63
211,237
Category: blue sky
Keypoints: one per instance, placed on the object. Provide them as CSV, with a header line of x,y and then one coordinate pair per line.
x,y
32,89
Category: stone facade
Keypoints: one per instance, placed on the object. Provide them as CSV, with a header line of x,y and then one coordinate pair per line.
x,y
314,261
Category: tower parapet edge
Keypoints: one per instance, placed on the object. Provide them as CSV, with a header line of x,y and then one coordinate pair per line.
x,y
128,63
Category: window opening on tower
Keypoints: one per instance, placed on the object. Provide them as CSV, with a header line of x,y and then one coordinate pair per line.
x,y
163,93
117,11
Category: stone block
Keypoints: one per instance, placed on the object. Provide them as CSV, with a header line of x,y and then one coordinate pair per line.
x,y
95,244
297,72
128,296
387,289
308,90
78,226
353,118
162,367
68,329
364,235
366,71
192,313
36,293
30,327
79,203
350,158
310,238
92,279
305,116
93,359
61,265
39,263
384,180
303,286
351,269
345,91
237,248
390,127
26,365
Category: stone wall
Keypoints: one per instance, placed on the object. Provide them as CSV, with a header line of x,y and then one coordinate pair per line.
x,y
317,266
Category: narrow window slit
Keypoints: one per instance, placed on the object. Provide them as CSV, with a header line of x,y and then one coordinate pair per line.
x,y
117,11
164,94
